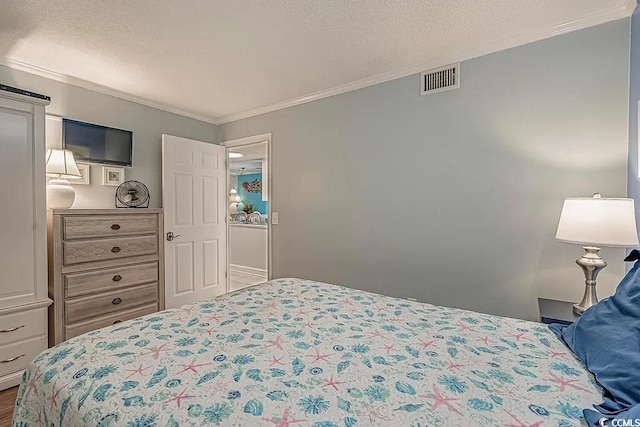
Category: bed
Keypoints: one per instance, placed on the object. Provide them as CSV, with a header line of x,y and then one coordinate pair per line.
x,y
292,352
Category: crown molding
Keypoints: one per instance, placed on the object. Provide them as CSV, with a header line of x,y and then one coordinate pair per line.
x,y
624,10
612,14
95,87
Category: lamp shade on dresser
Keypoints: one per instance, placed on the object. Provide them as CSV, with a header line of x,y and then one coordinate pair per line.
x,y
23,258
105,266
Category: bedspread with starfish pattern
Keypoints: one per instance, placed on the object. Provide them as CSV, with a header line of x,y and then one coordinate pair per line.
x,y
292,352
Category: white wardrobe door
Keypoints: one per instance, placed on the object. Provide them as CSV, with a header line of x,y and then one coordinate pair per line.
x,y
18,242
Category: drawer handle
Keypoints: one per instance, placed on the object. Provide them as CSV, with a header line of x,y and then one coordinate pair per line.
x,y
13,359
116,278
116,301
117,321
12,329
115,227
115,249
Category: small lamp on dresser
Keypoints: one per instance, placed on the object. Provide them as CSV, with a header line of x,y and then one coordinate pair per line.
x,y
595,222
61,166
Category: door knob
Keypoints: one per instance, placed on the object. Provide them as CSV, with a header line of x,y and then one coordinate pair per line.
x,y
171,236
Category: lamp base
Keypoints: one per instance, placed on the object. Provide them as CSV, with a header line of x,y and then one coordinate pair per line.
x,y
591,264
60,195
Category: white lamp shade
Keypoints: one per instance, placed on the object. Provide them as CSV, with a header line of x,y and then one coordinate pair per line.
x,y
61,164
598,221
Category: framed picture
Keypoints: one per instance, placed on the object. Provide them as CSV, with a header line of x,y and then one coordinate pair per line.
x,y
85,175
112,176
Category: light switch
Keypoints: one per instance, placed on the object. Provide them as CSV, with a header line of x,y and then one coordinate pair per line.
x,y
274,218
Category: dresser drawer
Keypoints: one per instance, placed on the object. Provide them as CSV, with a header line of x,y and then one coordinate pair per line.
x,y
76,252
110,302
76,329
22,325
78,284
84,227
17,356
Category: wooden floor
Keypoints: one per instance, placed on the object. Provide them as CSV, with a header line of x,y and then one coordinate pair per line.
x,y
7,400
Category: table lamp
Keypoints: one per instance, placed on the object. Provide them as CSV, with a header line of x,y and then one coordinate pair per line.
x,y
594,222
235,200
61,166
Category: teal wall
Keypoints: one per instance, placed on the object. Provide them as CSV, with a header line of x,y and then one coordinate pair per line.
x,y
252,198
454,198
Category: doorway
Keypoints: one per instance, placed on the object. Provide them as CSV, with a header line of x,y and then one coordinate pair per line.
x,y
249,211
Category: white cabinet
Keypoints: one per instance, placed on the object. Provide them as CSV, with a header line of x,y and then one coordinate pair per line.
x,y
23,252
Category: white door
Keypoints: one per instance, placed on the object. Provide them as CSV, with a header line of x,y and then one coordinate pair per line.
x,y
194,198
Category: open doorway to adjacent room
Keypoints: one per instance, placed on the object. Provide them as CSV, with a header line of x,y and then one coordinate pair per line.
x,y
249,225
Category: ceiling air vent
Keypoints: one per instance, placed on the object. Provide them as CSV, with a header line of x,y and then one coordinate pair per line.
x,y
440,79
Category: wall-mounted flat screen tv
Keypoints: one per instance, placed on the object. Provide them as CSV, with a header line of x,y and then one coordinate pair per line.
x,y
97,144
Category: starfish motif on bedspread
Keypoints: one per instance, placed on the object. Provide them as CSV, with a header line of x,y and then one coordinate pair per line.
x,y
33,385
486,340
283,421
333,383
464,327
563,384
388,348
276,361
139,370
157,350
376,334
319,356
347,301
209,331
275,343
380,309
192,366
178,397
440,400
309,324
54,397
520,336
427,344
521,424
553,354
453,365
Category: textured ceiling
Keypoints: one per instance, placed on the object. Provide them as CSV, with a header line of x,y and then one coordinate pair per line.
x,y
224,59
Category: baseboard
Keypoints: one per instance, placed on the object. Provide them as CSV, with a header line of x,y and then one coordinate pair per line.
x,y
248,270
10,380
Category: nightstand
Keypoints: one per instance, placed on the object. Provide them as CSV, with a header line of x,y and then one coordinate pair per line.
x,y
552,311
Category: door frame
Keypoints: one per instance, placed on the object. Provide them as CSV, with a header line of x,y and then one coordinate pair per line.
x,y
265,137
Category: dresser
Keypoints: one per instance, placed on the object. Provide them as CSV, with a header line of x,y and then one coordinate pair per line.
x,y
105,267
23,257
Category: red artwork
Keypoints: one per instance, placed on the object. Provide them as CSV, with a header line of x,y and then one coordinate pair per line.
x,y
254,186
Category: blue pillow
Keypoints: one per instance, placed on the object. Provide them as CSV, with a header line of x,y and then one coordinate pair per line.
x,y
606,338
